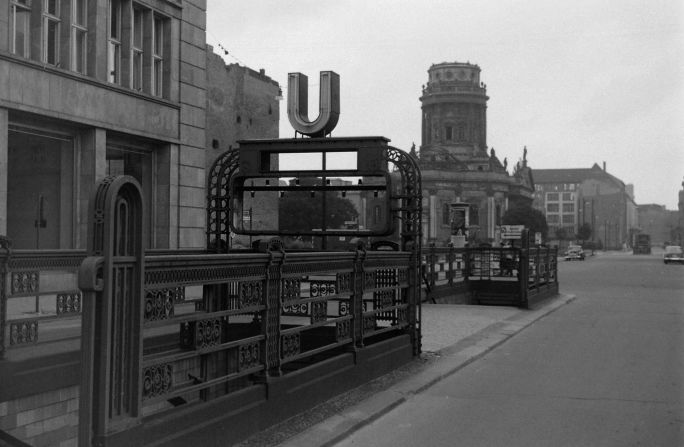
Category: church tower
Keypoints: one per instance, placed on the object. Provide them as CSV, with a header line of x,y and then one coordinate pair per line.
x,y
454,105
457,167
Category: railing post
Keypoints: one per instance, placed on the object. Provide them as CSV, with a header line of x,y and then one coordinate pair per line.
x,y
273,288
356,300
450,261
112,280
432,259
414,301
5,254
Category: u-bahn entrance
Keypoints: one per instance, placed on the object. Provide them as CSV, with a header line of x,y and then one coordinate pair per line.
x,y
212,346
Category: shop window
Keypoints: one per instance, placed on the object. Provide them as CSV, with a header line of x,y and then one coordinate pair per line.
x,y
20,25
138,162
40,189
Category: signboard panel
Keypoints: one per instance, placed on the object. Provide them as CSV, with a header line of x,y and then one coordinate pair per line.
x,y
511,231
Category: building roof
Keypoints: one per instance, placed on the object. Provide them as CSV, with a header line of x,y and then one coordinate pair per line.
x,y
574,175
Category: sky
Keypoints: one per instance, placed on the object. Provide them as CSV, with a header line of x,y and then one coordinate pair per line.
x,y
577,82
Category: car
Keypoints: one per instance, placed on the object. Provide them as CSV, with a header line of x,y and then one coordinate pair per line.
x,y
574,253
673,253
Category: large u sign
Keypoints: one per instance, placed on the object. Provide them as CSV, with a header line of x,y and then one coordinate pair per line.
x,y
329,103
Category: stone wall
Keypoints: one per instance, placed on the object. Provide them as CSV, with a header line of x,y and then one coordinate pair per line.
x,y
46,419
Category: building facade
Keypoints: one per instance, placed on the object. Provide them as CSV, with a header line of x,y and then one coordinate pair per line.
x,y
96,88
660,223
456,164
570,198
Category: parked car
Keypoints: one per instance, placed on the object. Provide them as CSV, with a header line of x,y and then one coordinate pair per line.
x,y
574,253
673,253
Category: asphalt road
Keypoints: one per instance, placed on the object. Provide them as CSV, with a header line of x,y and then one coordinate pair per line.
x,y
605,370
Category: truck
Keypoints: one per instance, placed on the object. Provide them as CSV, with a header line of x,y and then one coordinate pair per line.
x,y
642,244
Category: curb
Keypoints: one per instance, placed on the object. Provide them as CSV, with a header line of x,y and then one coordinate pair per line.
x,y
322,426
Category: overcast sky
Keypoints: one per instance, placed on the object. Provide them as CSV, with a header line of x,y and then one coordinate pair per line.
x,y
578,82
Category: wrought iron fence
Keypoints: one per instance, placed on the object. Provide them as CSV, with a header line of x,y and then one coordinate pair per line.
x,y
40,302
164,330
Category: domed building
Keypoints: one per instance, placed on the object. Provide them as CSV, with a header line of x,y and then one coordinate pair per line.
x,y
456,165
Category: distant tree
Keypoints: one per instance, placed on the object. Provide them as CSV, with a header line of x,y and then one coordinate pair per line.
x,y
302,213
561,233
533,219
584,232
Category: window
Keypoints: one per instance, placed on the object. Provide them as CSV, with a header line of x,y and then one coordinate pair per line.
x,y
461,132
568,197
568,207
158,56
552,197
568,218
51,23
79,35
445,214
552,207
137,50
114,43
552,218
20,24
448,133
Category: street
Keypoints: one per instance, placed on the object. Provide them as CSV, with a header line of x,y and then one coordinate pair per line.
x,y
605,370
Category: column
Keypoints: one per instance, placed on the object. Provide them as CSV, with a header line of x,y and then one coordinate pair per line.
x,y
432,230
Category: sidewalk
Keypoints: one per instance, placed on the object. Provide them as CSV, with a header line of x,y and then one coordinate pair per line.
x,y
453,336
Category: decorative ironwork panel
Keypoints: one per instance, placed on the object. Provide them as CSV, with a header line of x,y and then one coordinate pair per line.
x,y
319,311
24,282
159,304
23,332
343,330
296,310
383,298
201,334
292,288
402,275
402,315
251,293
344,282
248,356
68,303
369,280
369,323
343,307
322,287
290,345
157,380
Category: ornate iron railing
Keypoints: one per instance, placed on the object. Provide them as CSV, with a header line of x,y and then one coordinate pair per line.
x,y
162,330
40,301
